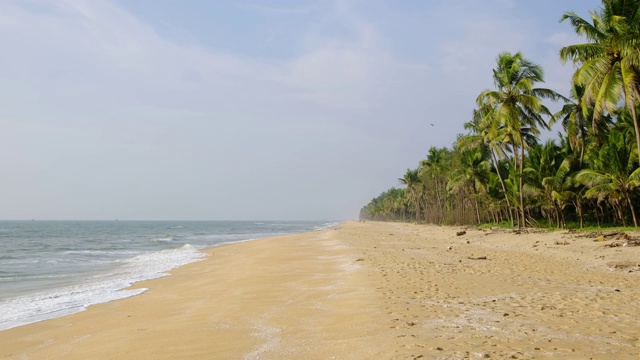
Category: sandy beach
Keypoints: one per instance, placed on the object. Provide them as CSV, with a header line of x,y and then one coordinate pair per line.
x,y
369,291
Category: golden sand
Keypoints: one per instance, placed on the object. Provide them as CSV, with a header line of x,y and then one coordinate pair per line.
x,y
368,291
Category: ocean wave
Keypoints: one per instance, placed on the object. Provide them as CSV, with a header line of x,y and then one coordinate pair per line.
x,y
101,252
164,239
101,259
326,226
100,288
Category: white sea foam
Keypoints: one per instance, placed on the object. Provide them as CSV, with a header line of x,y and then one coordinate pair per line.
x,y
164,239
100,288
325,226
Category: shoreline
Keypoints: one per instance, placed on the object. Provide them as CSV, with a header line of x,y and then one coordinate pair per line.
x,y
110,279
199,298
368,290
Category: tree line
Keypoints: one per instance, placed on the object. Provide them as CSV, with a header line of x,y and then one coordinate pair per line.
x,y
500,172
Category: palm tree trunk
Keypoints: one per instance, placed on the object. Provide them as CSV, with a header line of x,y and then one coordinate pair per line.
x,y
440,200
520,183
635,125
504,188
426,210
417,205
620,213
633,212
579,205
601,213
582,141
521,180
516,163
437,192
475,199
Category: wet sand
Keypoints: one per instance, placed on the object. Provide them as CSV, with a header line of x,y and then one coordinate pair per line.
x,y
368,291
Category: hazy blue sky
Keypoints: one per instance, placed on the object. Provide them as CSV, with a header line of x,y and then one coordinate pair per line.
x,y
157,109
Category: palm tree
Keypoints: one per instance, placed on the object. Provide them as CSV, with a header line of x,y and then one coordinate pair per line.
x,y
557,187
473,174
413,182
613,175
574,117
543,162
492,138
403,202
434,167
515,106
609,61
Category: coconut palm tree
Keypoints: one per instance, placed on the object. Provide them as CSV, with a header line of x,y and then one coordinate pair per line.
x,y
472,174
493,138
574,116
613,175
434,167
413,182
542,163
609,62
558,187
516,105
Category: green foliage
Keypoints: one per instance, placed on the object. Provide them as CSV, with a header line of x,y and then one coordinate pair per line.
x,y
498,174
608,63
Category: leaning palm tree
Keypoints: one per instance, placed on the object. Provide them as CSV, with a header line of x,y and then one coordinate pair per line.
x,y
609,62
413,182
516,105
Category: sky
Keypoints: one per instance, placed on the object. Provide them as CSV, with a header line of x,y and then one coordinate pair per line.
x,y
247,109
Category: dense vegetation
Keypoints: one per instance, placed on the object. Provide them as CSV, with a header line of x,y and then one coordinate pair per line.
x,y
498,171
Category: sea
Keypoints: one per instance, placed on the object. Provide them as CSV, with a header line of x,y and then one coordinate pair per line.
x,y
50,269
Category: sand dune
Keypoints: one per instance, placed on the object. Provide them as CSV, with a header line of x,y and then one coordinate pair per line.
x,y
368,291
